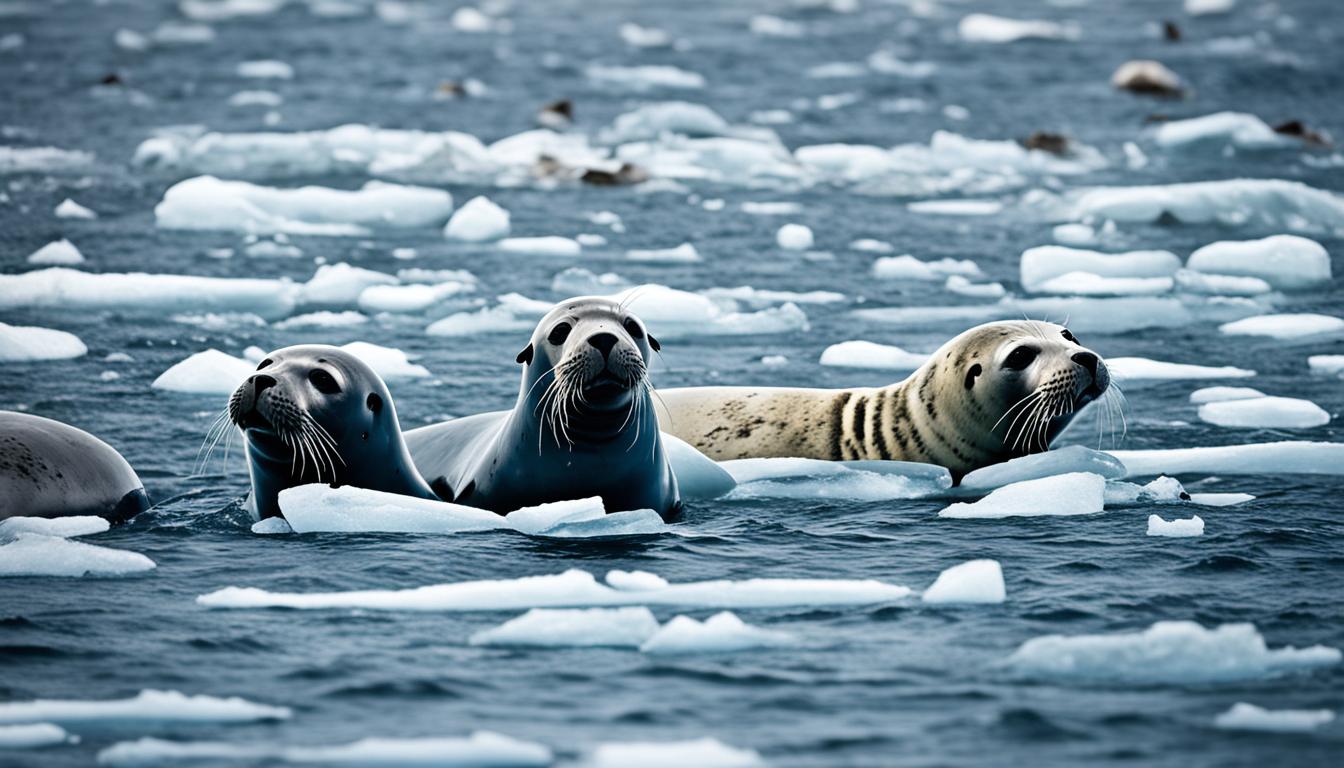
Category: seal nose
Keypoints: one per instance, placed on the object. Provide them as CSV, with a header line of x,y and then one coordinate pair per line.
x,y
603,342
1088,361
260,383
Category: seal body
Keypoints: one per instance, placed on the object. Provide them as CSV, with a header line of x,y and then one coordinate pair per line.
x,y
583,424
317,414
50,469
993,393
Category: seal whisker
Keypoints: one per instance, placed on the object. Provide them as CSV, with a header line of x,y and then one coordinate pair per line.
x,y
1028,403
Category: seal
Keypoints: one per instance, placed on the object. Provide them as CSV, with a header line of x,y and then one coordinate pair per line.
x,y
50,469
995,392
583,424
317,414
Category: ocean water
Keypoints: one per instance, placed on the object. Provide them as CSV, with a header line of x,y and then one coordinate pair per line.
x,y
896,684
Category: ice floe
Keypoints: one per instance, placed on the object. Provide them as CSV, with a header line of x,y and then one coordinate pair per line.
x,y
1220,394
1072,493
956,207
1327,364
1190,281
868,354
1209,7
484,320
575,588
1275,203
210,372
33,554
481,748
1236,129
409,298
266,69
794,237
479,220
1071,458
773,26
322,319
985,28
1140,368
1044,263
57,253
721,633
644,78
340,285
1248,717
1280,458
1088,284
1175,528
33,735
702,753
652,121
1265,413
908,267
63,527
792,478
760,297
677,313
975,581
1167,653
42,160
148,705
1286,262
963,287
573,628
550,245
388,362
69,209
1285,326
26,343
685,253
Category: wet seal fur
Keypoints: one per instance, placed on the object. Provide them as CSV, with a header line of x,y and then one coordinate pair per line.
x,y
317,414
995,392
583,424
51,469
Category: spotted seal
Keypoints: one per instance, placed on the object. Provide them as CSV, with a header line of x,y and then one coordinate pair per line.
x,y
51,469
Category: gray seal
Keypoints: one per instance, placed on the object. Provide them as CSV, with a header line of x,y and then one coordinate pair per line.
x,y
583,424
50,469
317,414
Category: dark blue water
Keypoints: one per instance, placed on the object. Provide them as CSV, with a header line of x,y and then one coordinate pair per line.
x,y
901,684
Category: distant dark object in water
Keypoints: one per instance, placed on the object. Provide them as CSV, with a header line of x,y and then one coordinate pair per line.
x,y
112,78
557,114
1297,129
628,173
549,167
1156,117
1170,32
1147,77
450,89
1054,143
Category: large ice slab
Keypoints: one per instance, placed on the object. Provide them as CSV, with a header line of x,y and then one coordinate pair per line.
x,y
574,588
1221,129
1265,413
1270,203
1143,369
573,628
205,202
63,527
482,749
148,705
1074,493
33,735
150,293
1047,262
1072,458
817,479
33,554
1286,262
868,354
210,372
1285,326
25,343
975,581
1248,717
388,362
701,753
721,633
1167,653
1281,458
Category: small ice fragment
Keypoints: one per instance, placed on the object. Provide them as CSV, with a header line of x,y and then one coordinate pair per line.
x,y
266,69
26,343
701,753
340,285
1209,8
573,628
1265,413
69,209
1326,364
33,554
723,632
975,581
541,246
635,581
636,36
1190,281
984,28
644,78
956,207
1075,493
963,287
479,220
1285,326
773,26
388,362
1074,234
33,735
869,245
1248,717
1220,394
323,319
210,372
271,526
907,267
794,237
1286,262
682,254
867,354
60,252
62,527
1175,528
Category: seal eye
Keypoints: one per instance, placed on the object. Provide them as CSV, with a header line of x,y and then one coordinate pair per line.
x,y
1069,337
632,328
264,363
558,334
1019,358
323,381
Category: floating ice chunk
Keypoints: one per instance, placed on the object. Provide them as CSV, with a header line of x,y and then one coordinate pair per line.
x,y
1285,326
205,202
868,245
1220,394
760,297
223,10
388,362
205,373
543,518
975,581
770,208
481,748
573,588
636,36
180,33
60,252
26,343
1209,7
720,633
702,753
33,554
1281,458
317,508
867,354
1286,262
478,221
1220,499
1074,493
1248,717
341,285
615,525
1236,129
220,321
773,26
698,476
984,28
1140,368
1191,281
956,207
266,69
269,249
654,120
69,209
1043,263
817,479
323,319
1074,234
794,237
963,287
33,736
909,268
409,298
577,281
62,527
484,320
148,705
644,78
635,581
682,254
1267,202
1326,364
272,526
1167,653
682,313
836,69
573,628
1073,458
1088,284
256,99
42,160
551,245
421,275
1265,413
885,62
1175,528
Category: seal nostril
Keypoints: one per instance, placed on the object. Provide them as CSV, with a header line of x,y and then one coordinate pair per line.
x,y
260,383
1088,361
603,342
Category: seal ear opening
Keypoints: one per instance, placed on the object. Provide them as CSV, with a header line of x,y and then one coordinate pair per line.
x,y
374,402
974,371
525,357
654,345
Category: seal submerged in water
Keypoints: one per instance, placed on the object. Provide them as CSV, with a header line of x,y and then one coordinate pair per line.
x,y
317,414
583,424
993,393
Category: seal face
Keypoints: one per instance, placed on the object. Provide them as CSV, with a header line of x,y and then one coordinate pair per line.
x,y
51,469
583,424
317,414
993,393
